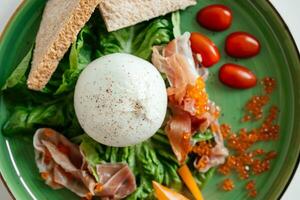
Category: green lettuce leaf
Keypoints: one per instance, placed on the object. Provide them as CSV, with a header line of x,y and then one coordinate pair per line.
x,y
91,149
137,40
79,56
53,107
200,137
18,77
57,114
176,24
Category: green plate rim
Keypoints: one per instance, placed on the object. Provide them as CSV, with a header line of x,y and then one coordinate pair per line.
x,y
276,12
2,34
298,52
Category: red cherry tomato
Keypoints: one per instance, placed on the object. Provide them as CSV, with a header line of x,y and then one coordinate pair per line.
x,y
237,76
242,45
206,48
215,17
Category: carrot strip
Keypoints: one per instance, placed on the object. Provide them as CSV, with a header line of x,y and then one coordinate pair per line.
x,y
164,193
190,182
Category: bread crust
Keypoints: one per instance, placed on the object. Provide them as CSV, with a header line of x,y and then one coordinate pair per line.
x,y
62,20
119,14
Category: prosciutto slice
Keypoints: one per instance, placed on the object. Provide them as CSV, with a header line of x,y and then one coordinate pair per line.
x,y
218,153
177,62
117,180
183,70
61,164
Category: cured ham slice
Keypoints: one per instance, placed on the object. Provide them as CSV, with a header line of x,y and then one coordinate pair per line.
x,y
59,161
61,164
117,179
176,61
178,130
192,111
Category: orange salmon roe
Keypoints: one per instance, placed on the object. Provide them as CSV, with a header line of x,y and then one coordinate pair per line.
x,y
198,93
202,148
254,108
202,162
244,160
45,175
269,84
186,142
225,130
228,185
250,187
203,151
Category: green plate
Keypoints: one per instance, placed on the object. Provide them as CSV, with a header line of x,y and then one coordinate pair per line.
x,y
279,58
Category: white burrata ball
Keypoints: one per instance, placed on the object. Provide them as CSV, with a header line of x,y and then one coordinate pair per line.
x,y
120,100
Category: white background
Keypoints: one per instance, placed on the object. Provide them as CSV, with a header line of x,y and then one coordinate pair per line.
x,y
289,10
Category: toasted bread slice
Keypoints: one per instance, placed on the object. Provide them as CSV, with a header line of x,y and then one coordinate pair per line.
x,y
119,14
62,20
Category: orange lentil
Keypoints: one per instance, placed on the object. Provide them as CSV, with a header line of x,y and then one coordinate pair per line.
x,y
228,185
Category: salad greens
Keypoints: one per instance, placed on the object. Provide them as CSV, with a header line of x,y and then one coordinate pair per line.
x,y
200,137
53,107
137,40
146,163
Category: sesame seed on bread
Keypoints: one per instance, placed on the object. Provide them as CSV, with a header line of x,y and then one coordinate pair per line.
x,y
61,22
119,14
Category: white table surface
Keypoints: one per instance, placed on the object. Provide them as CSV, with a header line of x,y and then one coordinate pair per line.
x,y
289,9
